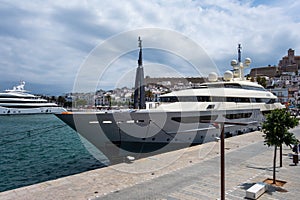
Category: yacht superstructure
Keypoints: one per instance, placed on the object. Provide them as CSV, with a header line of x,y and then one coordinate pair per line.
x,y
181,118
19,101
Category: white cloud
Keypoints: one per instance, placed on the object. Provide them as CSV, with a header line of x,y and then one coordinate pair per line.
x,y
48,41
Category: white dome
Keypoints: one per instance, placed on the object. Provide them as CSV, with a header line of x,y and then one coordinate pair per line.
x,y
233,62
247,61
212,77
228,75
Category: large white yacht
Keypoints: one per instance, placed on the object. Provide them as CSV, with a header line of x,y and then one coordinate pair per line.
x,y
19,101
180,119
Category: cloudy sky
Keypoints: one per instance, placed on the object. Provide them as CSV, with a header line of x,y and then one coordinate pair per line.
x,y
50,43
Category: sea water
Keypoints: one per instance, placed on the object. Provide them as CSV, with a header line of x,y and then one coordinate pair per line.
x,y
37,148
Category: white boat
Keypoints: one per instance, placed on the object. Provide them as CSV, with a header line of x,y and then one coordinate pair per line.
x,y
19,101
180,119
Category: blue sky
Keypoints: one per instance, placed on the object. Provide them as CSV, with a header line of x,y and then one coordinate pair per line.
x,y
46,43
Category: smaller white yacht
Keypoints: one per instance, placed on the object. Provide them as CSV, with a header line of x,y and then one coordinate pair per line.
x,y
19,101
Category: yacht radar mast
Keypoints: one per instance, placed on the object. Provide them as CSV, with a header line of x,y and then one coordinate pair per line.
x,y
239,53
238,66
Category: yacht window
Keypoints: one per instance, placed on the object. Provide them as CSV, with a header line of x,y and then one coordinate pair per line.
x,y
265,100
195,119
169,99
230,99
248,87
271,101
245,100
25,106
12,96
215,85
238,99
238,115
22,101
232,85
203,98
223,85
259,100
218,99
187,99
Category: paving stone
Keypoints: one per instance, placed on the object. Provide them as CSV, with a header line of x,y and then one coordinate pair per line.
x,y
191,176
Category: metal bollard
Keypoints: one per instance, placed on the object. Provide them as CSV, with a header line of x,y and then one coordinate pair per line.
x,y
295,159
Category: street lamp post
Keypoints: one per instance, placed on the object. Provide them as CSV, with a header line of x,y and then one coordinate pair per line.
x,y
222,149
222,146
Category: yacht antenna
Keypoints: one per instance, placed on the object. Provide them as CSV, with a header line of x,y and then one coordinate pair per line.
x,y
239,53
238,66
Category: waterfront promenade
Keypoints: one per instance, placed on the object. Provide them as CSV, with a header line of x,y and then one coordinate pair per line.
x,y
192,173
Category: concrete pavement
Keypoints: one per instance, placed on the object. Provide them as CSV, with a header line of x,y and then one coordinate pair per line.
x,y
192,173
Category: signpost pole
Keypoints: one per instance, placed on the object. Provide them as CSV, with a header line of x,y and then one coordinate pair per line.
x,y
222,163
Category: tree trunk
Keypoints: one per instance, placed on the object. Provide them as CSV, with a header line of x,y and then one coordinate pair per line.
x,y
280,155
274,165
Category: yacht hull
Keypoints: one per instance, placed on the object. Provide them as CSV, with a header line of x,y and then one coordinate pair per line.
x,y
144,132
23,111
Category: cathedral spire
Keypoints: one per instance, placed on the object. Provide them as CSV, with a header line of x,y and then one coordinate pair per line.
x,y
140,61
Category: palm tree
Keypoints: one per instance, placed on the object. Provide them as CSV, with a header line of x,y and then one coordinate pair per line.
x,y
61,100
275,128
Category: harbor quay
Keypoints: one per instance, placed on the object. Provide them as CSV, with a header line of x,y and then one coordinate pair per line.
x,y
190,173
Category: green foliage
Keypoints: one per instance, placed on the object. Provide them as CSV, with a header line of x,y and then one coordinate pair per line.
x,y
276,127
262,81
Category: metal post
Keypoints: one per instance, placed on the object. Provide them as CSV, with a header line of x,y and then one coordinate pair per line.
x,y
222,163
222,149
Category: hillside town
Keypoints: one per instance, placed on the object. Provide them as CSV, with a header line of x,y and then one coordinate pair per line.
x,y
282,80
